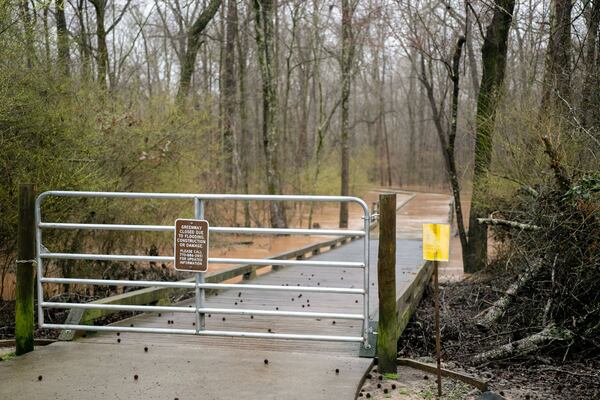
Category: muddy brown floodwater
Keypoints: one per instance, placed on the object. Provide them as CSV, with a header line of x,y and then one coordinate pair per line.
x,y
326,215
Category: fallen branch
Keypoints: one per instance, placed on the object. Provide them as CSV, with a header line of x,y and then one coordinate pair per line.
x,y
499,307
526,345
510,224
565,371
560,174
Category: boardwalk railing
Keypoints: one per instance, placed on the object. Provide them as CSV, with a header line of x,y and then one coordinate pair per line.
x,y
200,285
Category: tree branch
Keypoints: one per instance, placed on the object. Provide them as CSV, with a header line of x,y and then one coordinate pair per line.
x,y
507,223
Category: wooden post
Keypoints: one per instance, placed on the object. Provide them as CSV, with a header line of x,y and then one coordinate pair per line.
x,y
24,318
387,332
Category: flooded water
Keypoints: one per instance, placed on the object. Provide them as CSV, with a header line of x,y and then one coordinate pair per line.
x,y
326,216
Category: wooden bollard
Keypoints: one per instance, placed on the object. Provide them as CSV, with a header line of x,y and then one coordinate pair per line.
x,y
24,318
387,332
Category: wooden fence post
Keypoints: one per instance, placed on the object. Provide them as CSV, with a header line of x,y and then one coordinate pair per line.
x,y
24,318
387,340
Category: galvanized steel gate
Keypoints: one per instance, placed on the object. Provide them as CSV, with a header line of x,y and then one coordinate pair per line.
x,y
199,285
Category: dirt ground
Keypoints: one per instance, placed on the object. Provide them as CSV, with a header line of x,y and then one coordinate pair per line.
x,y
567,374
412,384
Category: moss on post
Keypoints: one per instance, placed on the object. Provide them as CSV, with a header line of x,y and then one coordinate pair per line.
x,y
24,318
387,335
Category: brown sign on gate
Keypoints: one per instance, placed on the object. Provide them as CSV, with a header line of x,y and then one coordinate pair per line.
x,y
191,245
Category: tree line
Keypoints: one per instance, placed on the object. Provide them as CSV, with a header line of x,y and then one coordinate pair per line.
x,y
283,96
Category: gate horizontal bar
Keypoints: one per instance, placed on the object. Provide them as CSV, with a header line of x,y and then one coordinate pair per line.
x,y
288,231
212,229
276,288
192,285
106,257
189,196
107,227
205,310
285,336
250,261
115,282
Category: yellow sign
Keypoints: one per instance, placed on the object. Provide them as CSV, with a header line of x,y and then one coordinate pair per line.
x,y
436,242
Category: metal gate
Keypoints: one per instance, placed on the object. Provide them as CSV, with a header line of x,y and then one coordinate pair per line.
x,y
200,285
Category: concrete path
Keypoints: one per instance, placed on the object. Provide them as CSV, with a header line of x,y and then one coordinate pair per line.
x,y
104,366
169,371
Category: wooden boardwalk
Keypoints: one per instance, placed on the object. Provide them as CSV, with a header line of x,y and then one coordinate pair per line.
x,y
408,252
105,365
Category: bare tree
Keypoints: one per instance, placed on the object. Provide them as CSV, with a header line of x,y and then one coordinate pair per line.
x,y
346,65
62,37
194,42
557,80
229,91
448,140
264,15
590,101
493,57
102,32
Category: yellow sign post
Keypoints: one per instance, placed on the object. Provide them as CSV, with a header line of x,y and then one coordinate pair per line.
x,y
436,247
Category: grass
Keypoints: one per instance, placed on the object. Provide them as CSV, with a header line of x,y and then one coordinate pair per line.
x,y
390,375
8,356
427,395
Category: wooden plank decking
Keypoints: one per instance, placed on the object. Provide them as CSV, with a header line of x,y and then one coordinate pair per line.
x,y
408,264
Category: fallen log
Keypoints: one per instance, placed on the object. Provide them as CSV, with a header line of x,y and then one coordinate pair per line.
x,y
526,345
507,223
492,314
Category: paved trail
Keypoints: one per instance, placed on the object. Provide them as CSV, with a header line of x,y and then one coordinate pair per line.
x,y
192,367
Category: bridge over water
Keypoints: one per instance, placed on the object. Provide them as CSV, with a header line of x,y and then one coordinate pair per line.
x,y
124,364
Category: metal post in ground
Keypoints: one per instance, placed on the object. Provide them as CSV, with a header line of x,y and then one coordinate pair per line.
x,y
436,247
366,278
387,337
24,315
199,292
438,345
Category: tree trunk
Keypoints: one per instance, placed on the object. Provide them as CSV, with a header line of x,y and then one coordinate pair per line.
x,y
245,141
193,45
47,58
493,59
382,116
557,80
102,58
229,91
84,48
411,109
454,181
264,13
25,15
448,145
346,62
589,96
62,38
